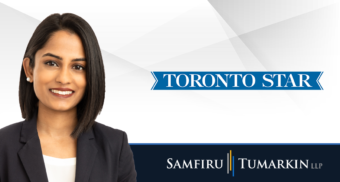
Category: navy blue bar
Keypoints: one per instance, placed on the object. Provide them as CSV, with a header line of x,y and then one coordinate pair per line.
x,y
153,162
234,143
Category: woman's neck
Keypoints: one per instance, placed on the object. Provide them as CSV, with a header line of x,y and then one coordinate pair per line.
x,y
56,124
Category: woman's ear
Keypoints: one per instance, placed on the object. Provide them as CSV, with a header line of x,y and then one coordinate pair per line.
x,y
28,69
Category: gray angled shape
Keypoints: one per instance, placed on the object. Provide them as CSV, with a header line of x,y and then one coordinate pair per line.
x,y
116,66
247,15
302,43
250,62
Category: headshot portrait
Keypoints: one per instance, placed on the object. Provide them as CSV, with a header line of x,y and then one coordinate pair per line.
x,y
61,93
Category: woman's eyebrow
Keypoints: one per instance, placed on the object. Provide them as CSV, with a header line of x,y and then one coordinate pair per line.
x,y
52,55
58,57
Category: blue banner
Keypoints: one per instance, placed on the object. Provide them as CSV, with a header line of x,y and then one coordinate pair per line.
x,y
237,80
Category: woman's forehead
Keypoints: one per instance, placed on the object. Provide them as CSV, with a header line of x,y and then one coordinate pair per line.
x,y
63,44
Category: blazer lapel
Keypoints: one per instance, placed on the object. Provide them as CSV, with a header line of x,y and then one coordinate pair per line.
x,y
86,155
32,158
31,154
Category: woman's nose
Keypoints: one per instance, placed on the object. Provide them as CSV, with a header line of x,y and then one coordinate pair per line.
x,y
64,76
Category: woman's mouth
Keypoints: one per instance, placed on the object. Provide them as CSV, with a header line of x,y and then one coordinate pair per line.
x,y
61,94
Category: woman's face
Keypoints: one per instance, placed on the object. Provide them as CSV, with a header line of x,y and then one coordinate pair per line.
x,y
59,77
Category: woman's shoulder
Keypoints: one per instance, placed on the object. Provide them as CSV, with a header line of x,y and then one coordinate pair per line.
x,y
111,135
10,133
108,130
11,129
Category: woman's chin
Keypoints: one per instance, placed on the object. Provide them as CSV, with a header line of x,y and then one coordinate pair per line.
x,y
62,108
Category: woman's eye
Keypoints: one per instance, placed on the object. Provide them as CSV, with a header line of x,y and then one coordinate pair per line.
x,y
78,67
51,63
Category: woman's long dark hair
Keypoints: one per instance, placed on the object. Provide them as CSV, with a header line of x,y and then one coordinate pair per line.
x,y
92,102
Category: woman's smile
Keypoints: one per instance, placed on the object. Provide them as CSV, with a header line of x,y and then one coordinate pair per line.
x,y
62,92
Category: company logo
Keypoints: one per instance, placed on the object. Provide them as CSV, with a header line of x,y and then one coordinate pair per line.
x,y
244,163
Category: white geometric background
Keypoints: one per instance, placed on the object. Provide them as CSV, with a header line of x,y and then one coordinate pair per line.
x,y
140,36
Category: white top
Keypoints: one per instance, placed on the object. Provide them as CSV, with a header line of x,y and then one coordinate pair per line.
x,y
60,170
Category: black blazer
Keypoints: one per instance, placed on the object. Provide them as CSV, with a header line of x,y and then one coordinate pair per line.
x,y
103,155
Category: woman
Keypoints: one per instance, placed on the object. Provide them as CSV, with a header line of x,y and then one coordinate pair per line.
x,y
61,92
